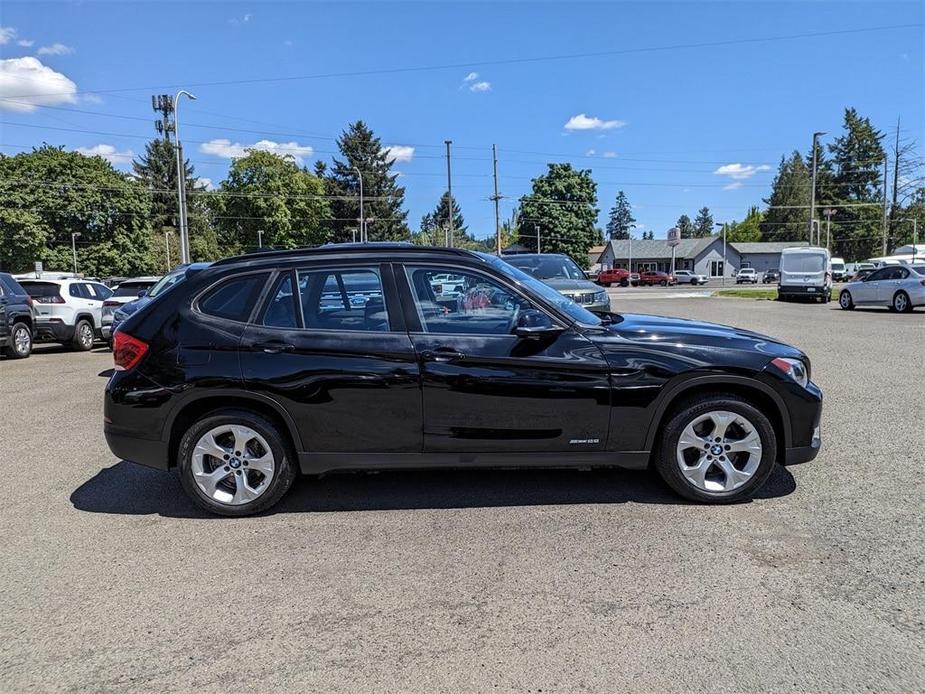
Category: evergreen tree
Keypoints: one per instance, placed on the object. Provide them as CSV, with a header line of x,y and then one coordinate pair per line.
x,y
703,223
384,198
434,225
787,215
747,230
621,219
563,204
685,227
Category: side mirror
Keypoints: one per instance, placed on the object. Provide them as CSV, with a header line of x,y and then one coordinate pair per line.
x,y
536,324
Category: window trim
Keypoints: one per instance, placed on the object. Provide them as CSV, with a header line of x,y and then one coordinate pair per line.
x,y
267,297
196,308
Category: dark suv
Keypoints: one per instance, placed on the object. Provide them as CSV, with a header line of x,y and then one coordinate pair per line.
x,y
348,357
16,319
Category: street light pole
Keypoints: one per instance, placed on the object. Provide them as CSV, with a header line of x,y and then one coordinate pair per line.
x,y
812,195
828,212
723,225
259,239
181,178
167,247
363,238
536,228
74,248
449,192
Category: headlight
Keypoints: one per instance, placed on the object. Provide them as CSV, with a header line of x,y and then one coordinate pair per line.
x,y
600,297
794,368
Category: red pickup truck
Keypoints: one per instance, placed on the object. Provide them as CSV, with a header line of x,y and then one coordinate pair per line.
x,y
618,275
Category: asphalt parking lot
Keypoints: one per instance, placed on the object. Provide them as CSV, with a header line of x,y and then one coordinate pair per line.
x,y
474,580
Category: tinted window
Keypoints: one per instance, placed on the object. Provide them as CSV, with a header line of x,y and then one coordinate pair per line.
x,y
234,299
98,291
809,262
11,285
39,290
76,290
281,311
476,305
918,269
344,299
130,288
880,274
547,267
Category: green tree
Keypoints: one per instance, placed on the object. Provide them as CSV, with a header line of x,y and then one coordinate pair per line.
x,y
621,220
269,193
434,225
384,198
788,204
563,205
48,194
685,227
648,235
747,230
703,223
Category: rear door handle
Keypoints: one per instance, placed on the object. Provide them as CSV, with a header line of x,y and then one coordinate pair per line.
x,y
274,347
442,354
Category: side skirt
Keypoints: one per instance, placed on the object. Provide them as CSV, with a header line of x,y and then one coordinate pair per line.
x,y
317,463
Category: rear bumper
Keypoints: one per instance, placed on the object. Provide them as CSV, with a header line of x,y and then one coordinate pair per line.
x,y
142,451
799,290
52,331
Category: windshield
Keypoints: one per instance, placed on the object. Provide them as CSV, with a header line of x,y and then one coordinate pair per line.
x,y
130,288
547,267
798,262
548,294
166,282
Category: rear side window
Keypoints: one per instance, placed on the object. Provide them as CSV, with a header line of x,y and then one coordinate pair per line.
x,y
42,290
281,311
234,298
77,290
344,299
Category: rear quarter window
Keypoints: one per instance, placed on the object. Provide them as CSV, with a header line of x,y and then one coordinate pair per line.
x,y
234,298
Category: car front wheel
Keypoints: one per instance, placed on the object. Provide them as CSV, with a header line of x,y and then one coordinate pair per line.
x,y
235,463
717,449
845,300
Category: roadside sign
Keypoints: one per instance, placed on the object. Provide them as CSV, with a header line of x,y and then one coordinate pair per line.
x,y
674,236
38,269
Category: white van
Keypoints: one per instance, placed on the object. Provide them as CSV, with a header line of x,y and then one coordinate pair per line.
x,y
805,272
839,271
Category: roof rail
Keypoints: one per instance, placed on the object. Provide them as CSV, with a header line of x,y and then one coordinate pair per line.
x,y
330,248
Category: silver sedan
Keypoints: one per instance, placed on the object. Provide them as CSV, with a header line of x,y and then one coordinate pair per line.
x,y
899,287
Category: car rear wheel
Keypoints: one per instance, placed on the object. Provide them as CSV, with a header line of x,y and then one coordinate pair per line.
x,y
901,303
845,300
624,283
717,449
20,342
83,336
664,283
235,463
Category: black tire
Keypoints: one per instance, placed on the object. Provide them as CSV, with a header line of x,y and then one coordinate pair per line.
x,y
283,455
906,303
14,352
624,283
80,342
666,462
845,300
607,284
664,283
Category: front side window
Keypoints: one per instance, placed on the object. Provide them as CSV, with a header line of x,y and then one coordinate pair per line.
x,y
281,311
234,299
463,303
343,299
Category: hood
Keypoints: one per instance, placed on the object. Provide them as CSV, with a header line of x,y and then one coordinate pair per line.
x,y
565,285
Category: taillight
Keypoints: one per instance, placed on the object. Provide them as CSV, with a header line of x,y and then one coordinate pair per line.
x,y
127,351
109,303
54,299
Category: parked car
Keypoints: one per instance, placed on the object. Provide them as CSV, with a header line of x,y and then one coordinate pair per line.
x,y
617,275
650,277
839,271
16,319
689,277
771,276
162,285
563,274
240,377
805,273
69,311
127,290
899,287
747,275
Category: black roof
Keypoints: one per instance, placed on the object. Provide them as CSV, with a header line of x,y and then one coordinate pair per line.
x,y
346,249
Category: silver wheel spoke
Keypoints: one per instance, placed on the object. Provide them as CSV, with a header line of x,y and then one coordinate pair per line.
x,y
243,491
734,478
698,473
208,481
208,446
719,448
234,468
721,422
689,439
750,444
241,437
262,464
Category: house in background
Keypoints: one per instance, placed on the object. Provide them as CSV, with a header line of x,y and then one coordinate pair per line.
x,y
702,256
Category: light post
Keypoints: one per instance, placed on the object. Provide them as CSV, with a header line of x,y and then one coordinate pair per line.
x,y
363,238
181,177
812,195
259,239
536,228
723,225
828,212
74,248
167,246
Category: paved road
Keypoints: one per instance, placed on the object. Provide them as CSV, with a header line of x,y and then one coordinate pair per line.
x,y
477,581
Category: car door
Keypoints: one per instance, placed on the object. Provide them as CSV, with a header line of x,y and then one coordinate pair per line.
x,y
866,292
485,389
96,295
890,283
330,346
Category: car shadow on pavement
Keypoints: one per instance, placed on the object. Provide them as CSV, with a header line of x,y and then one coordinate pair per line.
x,y
126,488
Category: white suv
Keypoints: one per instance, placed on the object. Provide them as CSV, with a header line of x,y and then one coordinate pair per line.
x,y
747,274
69,311
688,277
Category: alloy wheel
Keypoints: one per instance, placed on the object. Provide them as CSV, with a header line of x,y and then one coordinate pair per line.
x,y
719,451
22,341
85,335
233,464
900,302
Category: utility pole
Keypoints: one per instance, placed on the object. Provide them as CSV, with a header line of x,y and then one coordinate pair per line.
x,y
536,228
167,247
812,195
497,200
884,204
167,105
630,259
828,212
363,238
449,192
74,248
259,239
723,225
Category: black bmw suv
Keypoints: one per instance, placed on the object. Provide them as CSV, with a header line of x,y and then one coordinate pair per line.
x,y
348,357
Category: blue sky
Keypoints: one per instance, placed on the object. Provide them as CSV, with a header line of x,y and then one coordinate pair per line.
x,y
675,129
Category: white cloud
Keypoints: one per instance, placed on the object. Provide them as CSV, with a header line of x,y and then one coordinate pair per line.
x,y
25,43
25,83
7,34
241,20
227,149
55,49
740,171
735,185
583,122
109,153
590,153
205,183
398,152
609,155
90,98
480,87
471,77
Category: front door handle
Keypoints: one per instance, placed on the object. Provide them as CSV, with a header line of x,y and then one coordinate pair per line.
x,y
442,354
274,347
